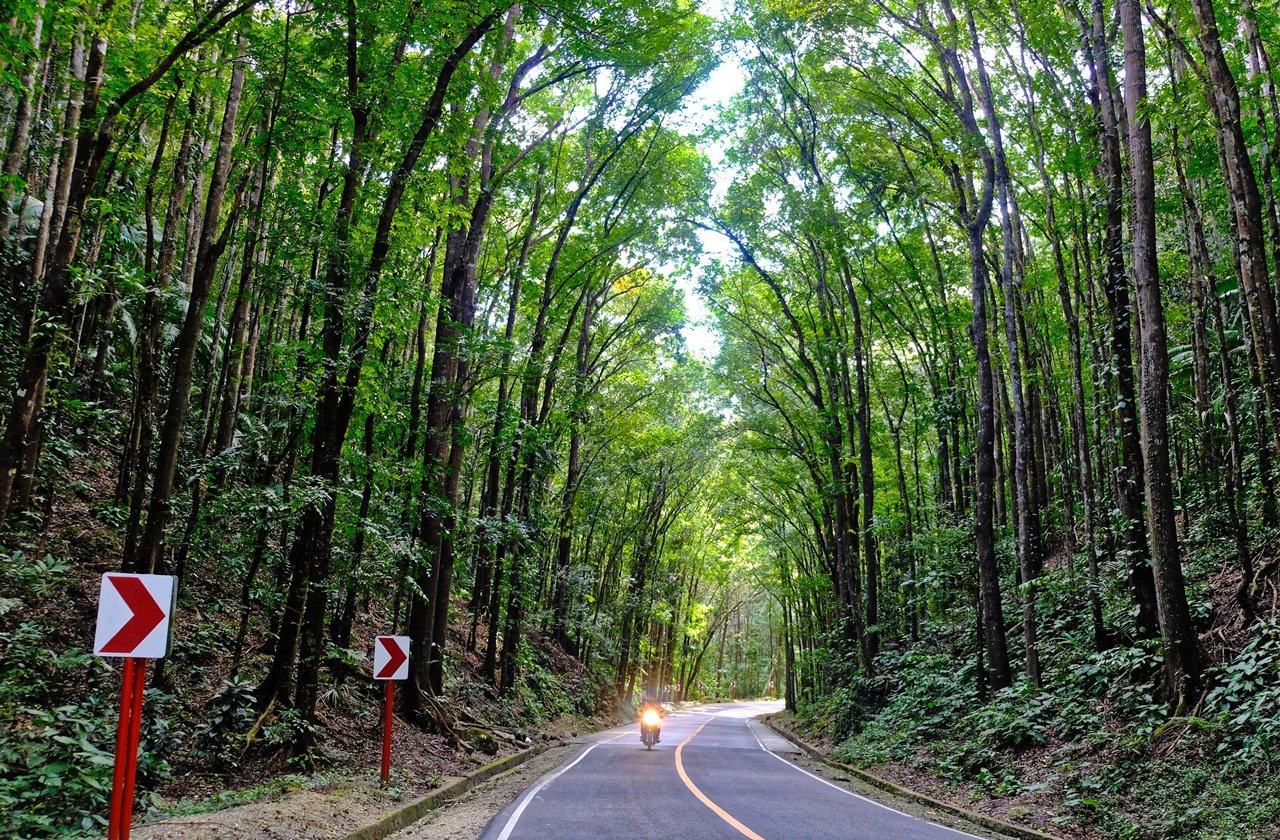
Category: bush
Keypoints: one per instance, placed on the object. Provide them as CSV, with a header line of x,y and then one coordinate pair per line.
x,y
227,717
930,695
1015,718
54,778
1246,700
543,693
1115,683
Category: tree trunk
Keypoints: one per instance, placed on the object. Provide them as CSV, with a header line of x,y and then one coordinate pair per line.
x,y
1028,525
1129,473
336,399
1182,659
975,213
866,465
17,153
185,346
1246,206
573,473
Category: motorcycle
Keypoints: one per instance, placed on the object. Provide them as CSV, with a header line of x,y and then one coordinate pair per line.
x,y
650,727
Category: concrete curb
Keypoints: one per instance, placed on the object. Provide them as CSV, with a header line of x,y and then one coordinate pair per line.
x,y
990,823
417,809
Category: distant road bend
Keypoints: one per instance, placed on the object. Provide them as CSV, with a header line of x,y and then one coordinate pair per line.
x,y
716,774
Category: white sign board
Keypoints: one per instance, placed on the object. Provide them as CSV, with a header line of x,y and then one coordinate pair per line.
x,y
391,658
134,614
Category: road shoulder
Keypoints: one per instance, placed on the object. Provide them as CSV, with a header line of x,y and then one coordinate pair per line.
x,y
895,796
465,817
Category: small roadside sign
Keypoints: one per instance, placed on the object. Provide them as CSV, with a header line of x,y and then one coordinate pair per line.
x,y
133,616
390,662
391,658
134,624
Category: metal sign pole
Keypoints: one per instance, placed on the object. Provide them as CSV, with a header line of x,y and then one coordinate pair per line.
x,y
123,728
131,751
386,731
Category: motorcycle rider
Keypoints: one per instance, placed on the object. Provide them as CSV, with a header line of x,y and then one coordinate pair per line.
x,y
650,702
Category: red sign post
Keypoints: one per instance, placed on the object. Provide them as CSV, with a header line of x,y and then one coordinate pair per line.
x,y
133,624
390,663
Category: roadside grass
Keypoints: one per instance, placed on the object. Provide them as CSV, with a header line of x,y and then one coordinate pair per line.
x,y
335,782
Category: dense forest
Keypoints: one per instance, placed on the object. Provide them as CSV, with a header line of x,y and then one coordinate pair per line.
x,y
373,317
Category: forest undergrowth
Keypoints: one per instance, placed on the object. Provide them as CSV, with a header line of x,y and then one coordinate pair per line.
x,y
1093,752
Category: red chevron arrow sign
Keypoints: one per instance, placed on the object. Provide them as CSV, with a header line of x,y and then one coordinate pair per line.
x,y
391,658
133,616
390,662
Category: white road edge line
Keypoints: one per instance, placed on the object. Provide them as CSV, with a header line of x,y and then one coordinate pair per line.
x,y
546,780
831,784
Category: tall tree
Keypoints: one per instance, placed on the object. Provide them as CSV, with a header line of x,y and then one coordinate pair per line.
x,y
1182,659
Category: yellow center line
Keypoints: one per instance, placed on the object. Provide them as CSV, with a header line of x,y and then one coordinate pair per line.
x,y
702,797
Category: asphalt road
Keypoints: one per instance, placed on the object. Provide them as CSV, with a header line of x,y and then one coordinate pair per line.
x,y
716,774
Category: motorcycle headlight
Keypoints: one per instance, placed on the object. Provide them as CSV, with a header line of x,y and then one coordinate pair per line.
x,y
650,718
